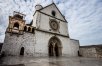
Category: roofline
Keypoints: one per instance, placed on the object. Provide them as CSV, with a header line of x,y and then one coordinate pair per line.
x,y
60,12
74,39
52,16
52,33
87,46
46,6
42,8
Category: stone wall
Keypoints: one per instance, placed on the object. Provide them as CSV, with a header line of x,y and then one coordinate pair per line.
x,y
48,10
37,44
69,47
91,51
13,43
99,51
88,52
74,46
43,23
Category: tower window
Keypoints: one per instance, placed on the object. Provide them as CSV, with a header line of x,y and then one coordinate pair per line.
x,y
53,13
16,25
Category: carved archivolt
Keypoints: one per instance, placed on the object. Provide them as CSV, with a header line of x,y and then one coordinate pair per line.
x,y
54,41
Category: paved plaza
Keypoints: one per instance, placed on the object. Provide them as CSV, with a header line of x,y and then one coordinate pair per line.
x,y
52,61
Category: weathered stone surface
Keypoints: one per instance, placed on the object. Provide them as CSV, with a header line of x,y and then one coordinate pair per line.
x,y
91,51
12,44
37,44
69,47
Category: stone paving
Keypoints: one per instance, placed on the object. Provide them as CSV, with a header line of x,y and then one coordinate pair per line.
x,y
53,61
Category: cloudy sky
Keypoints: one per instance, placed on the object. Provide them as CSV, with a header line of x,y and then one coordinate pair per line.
x,y
84,17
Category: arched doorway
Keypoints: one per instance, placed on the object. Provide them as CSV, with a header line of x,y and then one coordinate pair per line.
x,y
22,51
55,47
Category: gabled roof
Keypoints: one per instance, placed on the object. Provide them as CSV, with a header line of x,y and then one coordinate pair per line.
x,y
57,9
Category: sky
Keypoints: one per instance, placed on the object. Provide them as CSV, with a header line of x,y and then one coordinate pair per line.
x,y
84,17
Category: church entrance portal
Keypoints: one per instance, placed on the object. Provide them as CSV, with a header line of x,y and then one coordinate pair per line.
x,y
22,51
55,48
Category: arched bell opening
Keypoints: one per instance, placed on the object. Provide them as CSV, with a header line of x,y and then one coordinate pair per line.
x,y
54,47
16,26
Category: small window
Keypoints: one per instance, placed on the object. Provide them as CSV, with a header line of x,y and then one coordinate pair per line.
x,y
53,13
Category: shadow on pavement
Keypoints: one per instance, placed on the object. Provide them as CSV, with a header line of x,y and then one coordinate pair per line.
x,y
14,65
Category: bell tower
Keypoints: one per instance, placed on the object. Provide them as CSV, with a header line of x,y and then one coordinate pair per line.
x,y
16,23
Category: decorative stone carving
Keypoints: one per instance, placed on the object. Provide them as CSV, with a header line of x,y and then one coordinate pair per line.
x,y
54,24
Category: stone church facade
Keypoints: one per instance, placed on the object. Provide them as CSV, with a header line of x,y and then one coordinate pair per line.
x,y
46,35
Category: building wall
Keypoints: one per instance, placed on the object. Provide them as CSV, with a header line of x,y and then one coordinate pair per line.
x,y
99,51
12,44
69,47
37,44
35,19
49,10
74,44
88,51
43,23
